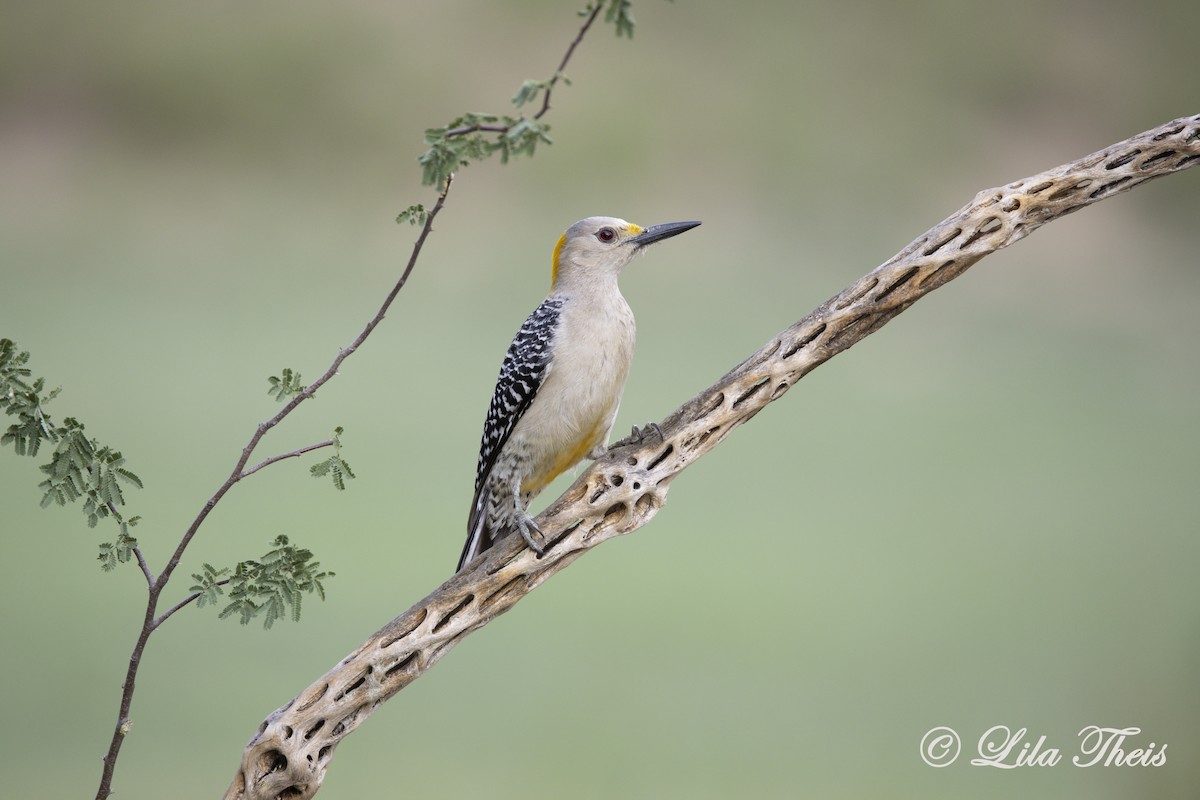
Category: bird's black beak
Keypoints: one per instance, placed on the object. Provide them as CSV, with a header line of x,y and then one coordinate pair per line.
x,y
656,233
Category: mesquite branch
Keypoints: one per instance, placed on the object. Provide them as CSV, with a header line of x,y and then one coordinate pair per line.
x,y
157,584
554,79
294,746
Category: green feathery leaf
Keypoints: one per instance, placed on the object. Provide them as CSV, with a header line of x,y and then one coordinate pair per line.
x,y
272,587
620,14
529,91
288,385
413,215
208,585
120,551
80,468
335,466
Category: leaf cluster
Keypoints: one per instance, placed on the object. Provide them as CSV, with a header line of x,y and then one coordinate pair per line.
x,y
79,468
476,136
413,215
271,587
285,386
619,14
335,466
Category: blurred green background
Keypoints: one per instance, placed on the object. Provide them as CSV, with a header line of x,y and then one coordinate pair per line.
x,y
984,515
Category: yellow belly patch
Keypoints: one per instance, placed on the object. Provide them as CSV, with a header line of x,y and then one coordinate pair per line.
x,y
567,458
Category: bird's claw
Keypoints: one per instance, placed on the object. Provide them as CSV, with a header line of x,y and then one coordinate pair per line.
x,y
638,436
649,426
524,524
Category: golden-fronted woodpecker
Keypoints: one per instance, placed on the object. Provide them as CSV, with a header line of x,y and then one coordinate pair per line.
x,y
561,380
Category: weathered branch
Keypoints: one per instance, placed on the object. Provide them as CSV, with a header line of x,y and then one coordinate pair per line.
x,y
294,746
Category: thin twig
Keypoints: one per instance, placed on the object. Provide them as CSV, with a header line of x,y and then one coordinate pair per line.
x,y
293,454
558,73
310,390
562,65
149,621
141,560
191,598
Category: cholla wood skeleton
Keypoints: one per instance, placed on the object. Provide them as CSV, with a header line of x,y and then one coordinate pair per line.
x,y
290,753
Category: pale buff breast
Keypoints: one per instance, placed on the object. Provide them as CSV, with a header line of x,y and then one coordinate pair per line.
x,y
577,404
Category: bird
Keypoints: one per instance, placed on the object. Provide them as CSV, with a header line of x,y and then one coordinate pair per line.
x,y
561,380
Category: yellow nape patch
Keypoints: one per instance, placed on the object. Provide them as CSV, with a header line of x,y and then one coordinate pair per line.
x,y
562,240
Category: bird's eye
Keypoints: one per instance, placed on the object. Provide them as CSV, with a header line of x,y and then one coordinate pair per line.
x,y
606,234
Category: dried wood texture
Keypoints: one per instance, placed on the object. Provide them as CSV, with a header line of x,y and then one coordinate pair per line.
x,y
293,748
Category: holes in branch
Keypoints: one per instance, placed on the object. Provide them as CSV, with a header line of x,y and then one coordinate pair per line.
x,y
452,613
764,355
614,512
1041,187
337,698
1168,133
403,665
309,700
704,437
499,594
753,390
574,493
804,341
1123,160
272,761
1155,158
308,734
661,457
408,627
938,276
346,723
1186,160
945,240
903,279
1071,189
1012,205
716,402
856,293
990,226
1108,187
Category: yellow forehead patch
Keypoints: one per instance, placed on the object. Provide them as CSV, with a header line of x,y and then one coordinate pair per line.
x,y
562,240
634,230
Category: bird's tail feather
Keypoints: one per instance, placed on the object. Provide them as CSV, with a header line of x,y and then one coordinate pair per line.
x,y
480,536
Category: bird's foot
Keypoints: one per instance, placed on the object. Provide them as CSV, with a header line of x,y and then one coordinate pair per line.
x,y
639,435
525,524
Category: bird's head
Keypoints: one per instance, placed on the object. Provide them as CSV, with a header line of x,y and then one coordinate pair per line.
x,y
602,246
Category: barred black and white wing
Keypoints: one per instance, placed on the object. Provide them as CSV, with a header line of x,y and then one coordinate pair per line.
x,y
525,367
